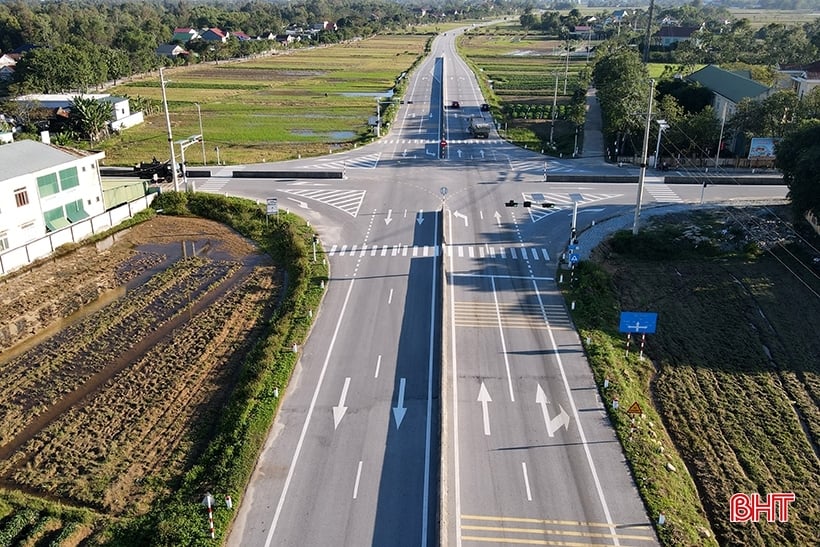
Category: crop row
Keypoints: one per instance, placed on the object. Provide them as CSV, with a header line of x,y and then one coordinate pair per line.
x,y
535,112
39,378
145,411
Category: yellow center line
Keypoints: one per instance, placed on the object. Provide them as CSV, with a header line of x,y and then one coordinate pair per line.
x,y
531,542
548,532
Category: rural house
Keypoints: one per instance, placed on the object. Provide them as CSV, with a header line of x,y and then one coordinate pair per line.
x,y
172,51
45,188
668,36
728,88
183,35
214,35
121,115
801,78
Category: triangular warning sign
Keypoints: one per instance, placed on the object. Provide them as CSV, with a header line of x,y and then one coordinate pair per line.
x,y
634,408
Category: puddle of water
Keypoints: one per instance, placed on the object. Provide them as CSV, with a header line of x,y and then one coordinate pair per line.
x,y
33,341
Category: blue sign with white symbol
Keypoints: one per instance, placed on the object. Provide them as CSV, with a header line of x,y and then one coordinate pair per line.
x,y
573,258
638,322
573,248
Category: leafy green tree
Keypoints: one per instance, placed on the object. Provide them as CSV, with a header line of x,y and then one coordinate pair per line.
x,y
528,19
774,116
798,157
622,84
785,45
90,118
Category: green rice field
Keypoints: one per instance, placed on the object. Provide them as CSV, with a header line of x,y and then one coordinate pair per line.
x,y
299,103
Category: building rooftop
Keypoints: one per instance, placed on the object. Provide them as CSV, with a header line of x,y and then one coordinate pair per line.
x,y
27,156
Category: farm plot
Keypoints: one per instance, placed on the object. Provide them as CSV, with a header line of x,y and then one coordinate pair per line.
x,y
105,412
525,76
738,375
298,102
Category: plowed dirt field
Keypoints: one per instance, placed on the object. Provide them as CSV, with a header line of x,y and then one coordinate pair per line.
x,y
115,359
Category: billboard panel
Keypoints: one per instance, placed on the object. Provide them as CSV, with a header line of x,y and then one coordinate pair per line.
x,y
762,148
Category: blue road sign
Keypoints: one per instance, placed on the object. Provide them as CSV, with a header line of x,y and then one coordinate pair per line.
x,y
574,258
638,322
573,247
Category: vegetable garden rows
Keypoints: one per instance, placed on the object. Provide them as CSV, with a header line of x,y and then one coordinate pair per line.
x,y
101,415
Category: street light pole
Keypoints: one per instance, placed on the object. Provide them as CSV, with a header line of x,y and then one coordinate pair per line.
x,y
170,137
720,138
201,134
642,173
661,126
378,119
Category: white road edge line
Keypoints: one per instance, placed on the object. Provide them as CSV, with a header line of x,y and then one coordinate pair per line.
x,y
302,435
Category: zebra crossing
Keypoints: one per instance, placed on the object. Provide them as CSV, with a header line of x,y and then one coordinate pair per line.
x,y
532,254
367,161
662,193
348,201
538,166
561,202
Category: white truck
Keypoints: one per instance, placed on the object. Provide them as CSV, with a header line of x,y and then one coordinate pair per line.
x,y
479,128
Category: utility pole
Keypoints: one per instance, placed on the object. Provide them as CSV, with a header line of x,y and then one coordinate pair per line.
x,y
648,31
642,173
170,136
566,67
554,107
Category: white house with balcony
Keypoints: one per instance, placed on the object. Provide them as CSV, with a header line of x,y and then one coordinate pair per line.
x,y
44,188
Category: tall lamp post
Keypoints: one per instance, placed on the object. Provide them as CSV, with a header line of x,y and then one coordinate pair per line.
x,y
183,144
642,173
170,137
201,134
661,126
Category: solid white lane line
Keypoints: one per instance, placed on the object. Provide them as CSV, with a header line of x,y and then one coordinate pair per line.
x,y
503,342
358,477
390,297
526,481
378,366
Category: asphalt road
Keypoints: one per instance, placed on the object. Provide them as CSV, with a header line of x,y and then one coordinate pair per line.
x,y
443,397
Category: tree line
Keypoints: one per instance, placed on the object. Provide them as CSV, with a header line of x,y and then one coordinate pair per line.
x,y
83,44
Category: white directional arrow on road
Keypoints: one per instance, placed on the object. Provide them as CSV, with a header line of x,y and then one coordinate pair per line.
x,y
462,215
389,218
302,204
420,217
399,410
339,411
553,424
497,216
484,398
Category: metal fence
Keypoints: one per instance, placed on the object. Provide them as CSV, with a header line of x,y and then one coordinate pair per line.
x,y
24,255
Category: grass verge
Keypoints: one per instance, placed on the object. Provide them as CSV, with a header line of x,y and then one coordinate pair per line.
x,y
729,391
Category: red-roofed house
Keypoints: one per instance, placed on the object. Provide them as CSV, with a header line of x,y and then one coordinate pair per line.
x,y
214,35
184,35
